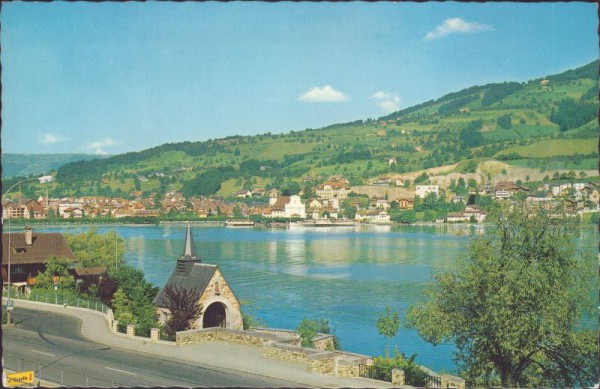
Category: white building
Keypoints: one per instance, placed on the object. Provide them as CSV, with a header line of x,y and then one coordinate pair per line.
x,y
295,208
423,190
288,207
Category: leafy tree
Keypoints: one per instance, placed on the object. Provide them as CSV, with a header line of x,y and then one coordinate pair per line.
x,y
430,201
505,121
471,167
140,294
388,325
497,92
572,114
461,187
58,267
237,212
309,329
136,184
122,307
184,309
514,305
107,289
93,249
404,217
471,135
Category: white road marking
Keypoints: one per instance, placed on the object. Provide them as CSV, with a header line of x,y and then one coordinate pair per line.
x,y
43,353
120,371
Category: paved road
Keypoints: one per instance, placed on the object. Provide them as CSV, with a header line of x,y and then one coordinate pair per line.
x,y
54,343
231,359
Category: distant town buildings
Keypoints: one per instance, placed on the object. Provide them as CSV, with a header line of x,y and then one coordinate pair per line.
x,y
334,187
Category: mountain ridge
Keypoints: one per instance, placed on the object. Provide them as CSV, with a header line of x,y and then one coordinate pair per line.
x,y
466,128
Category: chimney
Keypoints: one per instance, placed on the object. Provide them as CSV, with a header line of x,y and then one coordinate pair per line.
x,y
28,236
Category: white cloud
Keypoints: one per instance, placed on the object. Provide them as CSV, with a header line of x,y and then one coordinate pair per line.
x,y
381,95
388,102
456,26
325,94
49,139
99,146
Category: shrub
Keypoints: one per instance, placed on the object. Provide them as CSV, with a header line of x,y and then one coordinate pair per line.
x,y
413,374
308,330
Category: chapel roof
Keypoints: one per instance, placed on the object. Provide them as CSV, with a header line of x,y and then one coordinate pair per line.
x,y
189,273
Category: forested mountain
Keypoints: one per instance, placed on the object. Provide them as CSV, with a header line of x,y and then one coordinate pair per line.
x,y
542,124
38,164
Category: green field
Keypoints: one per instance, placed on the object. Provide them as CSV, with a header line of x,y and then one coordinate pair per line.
x,y
554,147
550,164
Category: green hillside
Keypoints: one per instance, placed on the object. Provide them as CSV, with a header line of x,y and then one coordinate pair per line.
x,y
528,124
38,164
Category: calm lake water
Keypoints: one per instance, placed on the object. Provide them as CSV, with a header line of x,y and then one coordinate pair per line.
x,y
345,275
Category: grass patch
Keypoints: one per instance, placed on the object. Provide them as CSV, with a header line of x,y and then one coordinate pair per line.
x,y
554,147
550,164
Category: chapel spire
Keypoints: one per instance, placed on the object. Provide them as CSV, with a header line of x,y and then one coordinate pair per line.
x,y
189,251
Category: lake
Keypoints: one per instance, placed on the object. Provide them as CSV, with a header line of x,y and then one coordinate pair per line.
x,y
345,275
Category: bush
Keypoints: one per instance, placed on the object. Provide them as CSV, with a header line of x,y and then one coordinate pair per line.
x,y
309,329
413,374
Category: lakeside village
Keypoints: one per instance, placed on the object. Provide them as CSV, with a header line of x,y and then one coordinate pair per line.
x,y
332,201
197,304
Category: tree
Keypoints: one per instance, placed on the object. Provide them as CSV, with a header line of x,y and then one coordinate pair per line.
x,y
388,325
184,308
122,307
505,121
514,304
309,329
237,212
56,267
93,249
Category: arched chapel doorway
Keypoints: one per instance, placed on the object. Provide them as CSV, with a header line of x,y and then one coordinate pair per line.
x,y
214,316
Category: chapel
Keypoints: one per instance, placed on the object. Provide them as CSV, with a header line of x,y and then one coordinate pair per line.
x,y
221,308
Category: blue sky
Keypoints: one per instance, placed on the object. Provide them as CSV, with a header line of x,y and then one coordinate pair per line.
x,y
117,77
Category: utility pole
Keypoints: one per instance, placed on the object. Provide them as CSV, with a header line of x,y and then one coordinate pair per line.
x,y
116,263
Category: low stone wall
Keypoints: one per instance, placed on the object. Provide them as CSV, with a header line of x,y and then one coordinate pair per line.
x,y
222,334
324,363
398,377
316,361
450,381
324,342
286,352
282,336
285,346
347,364
275,331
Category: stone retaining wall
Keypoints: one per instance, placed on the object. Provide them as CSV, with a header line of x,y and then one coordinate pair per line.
x,y
450,381
324,342
280,345
282,336
316,361
222,334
